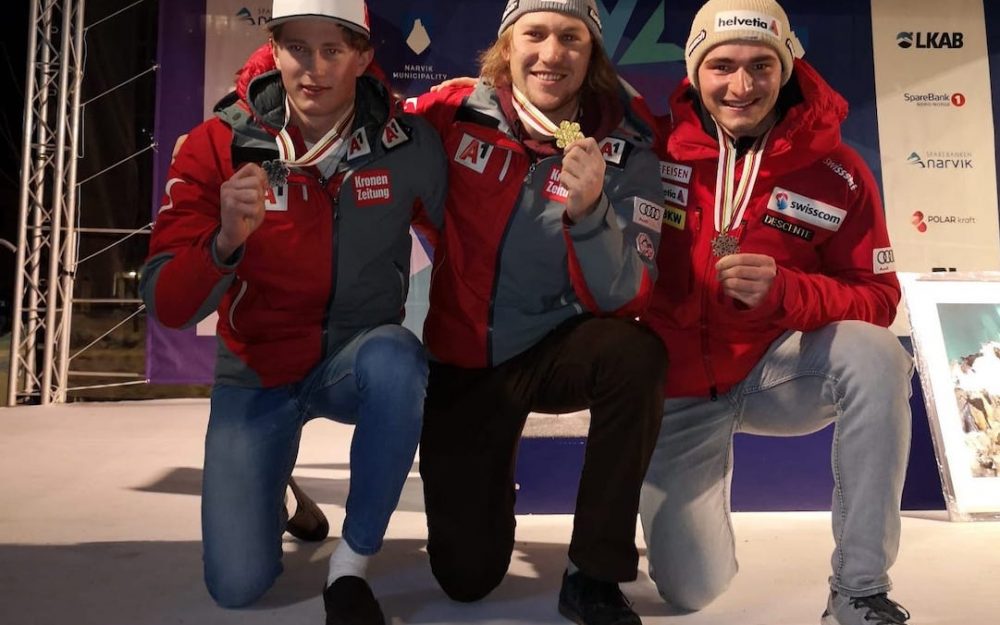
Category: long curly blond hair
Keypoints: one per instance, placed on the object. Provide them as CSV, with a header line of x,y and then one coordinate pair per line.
x,y
494,66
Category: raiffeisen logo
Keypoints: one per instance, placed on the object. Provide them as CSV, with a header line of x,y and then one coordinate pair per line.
x,y
930,40
942,160
945,100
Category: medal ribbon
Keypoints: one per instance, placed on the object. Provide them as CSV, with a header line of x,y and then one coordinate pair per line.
x,y
531,116
331,142
731,203
565,133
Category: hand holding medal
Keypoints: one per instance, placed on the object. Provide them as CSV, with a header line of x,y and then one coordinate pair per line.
x,y
583,164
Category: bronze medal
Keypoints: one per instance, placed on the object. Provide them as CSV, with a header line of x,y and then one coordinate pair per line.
x,y
724,244
277,173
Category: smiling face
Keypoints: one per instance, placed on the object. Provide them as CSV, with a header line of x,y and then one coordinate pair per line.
x,y
319,69
549,56
739,84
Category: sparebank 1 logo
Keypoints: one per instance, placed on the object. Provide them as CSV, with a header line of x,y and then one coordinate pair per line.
x,y
646,46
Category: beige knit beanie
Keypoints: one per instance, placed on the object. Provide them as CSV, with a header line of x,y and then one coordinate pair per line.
x,y
725,21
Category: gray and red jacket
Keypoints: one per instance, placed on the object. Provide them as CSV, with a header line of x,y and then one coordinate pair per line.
x,y
815,209
509,267
332,256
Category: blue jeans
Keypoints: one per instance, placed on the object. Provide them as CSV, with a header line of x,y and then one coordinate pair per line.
x,y
850,373
378,382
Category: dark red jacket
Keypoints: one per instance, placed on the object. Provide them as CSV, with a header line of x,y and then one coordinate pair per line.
x,y
509,268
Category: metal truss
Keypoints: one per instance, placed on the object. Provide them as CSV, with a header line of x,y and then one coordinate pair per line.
x,y
48,232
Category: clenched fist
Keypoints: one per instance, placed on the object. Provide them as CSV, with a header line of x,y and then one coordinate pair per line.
x,y
241,200
583,176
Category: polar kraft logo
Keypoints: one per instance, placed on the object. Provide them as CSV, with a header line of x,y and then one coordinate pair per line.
x,y
747,20
942,160
806,209
920,221
907,40
883,260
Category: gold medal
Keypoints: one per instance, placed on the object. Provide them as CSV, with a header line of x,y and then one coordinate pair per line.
x,y
568,133
565,133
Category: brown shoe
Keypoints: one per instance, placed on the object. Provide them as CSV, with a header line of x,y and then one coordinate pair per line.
x,y
308,523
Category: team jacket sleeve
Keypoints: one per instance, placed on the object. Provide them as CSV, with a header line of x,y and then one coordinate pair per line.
x,y
612,252
855,283
183,280
428,213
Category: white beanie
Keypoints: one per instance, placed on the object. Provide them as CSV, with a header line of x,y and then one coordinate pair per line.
x,y
726,21
352,14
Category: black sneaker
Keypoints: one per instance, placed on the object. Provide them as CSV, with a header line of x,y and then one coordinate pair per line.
x,y
872,610
588,601
308,523
349,601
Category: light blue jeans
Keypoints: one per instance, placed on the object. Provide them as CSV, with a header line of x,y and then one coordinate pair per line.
x,y
852,373
378,382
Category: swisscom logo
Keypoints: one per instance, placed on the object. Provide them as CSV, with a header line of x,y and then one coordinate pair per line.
x,y
930,40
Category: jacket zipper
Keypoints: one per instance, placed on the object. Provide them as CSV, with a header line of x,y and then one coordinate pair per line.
x,y
703,322
334,249
497,266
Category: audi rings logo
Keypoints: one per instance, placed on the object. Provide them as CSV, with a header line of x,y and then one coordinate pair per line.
x,y
918,221
651,210
885,256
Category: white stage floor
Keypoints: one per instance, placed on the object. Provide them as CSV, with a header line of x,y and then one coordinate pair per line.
x,y
99,526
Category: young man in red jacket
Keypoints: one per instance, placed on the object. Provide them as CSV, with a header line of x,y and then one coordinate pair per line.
x,y
289,214
546,256
775,288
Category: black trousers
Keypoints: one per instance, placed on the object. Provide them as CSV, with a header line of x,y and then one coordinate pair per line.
x,y
473,420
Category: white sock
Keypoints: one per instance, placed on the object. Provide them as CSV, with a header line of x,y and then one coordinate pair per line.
x,y
345,561
291,503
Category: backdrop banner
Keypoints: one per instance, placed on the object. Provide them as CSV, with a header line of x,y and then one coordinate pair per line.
x,y
935,155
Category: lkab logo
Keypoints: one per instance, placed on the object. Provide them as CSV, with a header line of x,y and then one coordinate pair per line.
x,y
930,40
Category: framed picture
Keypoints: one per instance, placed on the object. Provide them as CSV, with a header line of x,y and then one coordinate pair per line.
x,y
955,325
